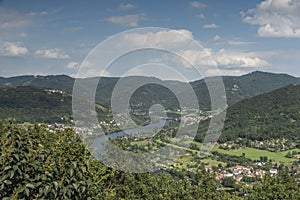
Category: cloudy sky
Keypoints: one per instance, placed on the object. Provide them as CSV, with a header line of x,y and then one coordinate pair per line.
x,y
54,37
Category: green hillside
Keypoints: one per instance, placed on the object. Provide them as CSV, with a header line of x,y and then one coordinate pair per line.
x,y
237,87
31,104
246,86
271,115
34,105
25,99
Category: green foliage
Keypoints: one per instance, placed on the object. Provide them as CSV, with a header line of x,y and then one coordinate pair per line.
x,y
271,115
37,164
56,82
149,186
34,105
239,87
228,182
268,116
282,187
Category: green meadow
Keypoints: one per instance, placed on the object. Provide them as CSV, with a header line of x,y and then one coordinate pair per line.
x,y
254,154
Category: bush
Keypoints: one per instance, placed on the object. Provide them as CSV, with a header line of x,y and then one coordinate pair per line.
x,y
37,164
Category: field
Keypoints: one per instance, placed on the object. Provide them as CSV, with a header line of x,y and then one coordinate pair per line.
x,y
254,154
251,153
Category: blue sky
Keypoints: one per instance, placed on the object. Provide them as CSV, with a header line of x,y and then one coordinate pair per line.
x,y
54,37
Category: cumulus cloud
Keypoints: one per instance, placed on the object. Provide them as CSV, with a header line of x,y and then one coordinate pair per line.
x,y
225,72
126,20
207,26
222,62
126,6
12,49
177,48
73,65
275,18
177,39
164,39
239,59
179,42
197,4
52,53
197,58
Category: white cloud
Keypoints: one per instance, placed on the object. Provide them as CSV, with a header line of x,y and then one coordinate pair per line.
x,y
125,6
180,43
219,40
222,62
275,18
195,57
103,73
239,59
233,42
91,73
200,16
52,53
223,58
225,72
206,26
126,20
165,39
197,4
73,65
12,49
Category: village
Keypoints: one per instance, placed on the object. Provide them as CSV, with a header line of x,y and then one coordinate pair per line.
x,y
229,162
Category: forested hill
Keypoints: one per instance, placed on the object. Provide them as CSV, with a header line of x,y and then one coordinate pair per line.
x,y
30,104
56,82
246,86
272,115
237,87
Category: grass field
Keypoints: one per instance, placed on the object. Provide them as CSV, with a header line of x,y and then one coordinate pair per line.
x,y
251,153
254,154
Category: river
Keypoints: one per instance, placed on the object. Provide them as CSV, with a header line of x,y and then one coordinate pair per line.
x,y
98,141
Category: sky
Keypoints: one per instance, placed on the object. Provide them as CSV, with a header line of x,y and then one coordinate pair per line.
x,y
39,37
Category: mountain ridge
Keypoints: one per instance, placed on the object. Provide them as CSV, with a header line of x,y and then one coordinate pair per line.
x,y
237,87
